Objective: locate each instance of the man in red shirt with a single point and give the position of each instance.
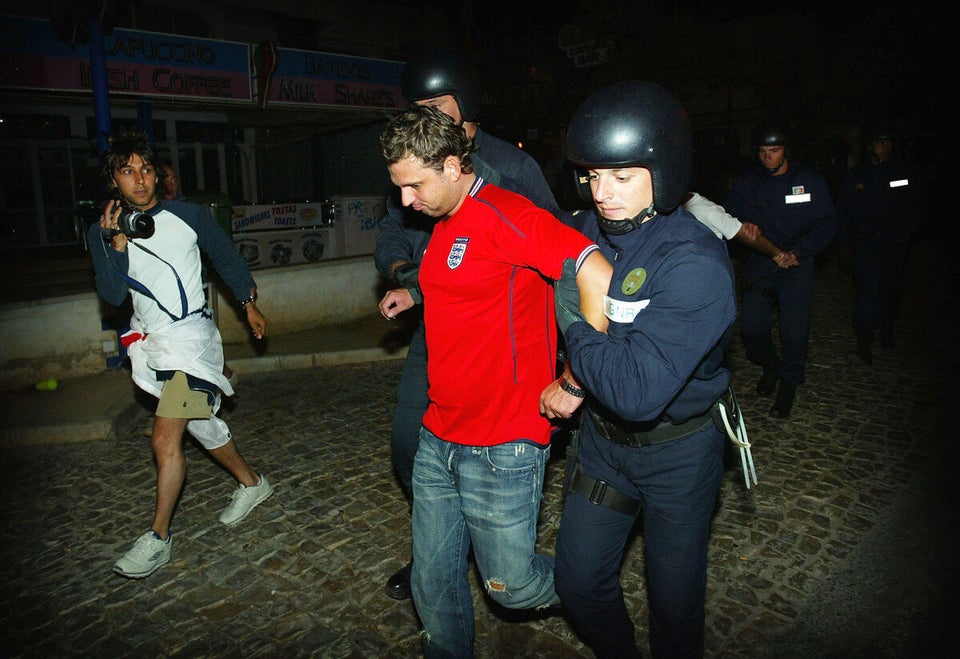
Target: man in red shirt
(492, 339)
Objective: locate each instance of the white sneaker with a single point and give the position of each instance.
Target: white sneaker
(244, 500)
(148, 554)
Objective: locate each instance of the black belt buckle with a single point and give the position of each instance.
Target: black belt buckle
(597, 491)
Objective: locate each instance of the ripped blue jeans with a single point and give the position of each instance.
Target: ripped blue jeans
(487, 497)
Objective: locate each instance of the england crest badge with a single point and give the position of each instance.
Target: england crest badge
(457, 250)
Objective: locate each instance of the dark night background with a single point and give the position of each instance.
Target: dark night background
(828, 72)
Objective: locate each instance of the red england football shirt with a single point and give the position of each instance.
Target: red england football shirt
(489, 317)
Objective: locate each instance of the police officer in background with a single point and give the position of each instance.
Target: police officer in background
(442, 79)
(791, 204)
(648, 445)
(878, 221)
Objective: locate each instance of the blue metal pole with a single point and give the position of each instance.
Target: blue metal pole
(145, 119)
(101, 97)
(101, 108)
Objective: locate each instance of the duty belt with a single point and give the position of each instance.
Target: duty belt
(647, 434)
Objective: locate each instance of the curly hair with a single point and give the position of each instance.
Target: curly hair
(428, 134)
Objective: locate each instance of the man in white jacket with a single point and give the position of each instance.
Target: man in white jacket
(150, 249)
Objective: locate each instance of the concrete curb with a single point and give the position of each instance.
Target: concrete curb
(124, 410)
(311, 360)
(61, 433)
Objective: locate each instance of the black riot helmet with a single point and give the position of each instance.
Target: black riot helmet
(773, 133)
(635, 124)
(440, 72)
(770, 134)
(881, 133)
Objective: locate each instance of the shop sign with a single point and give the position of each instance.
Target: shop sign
(302, 77)
(137, 63)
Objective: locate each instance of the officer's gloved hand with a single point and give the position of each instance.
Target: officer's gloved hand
(566, 296)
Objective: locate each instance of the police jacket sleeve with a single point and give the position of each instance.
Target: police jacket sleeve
(403, 236)
(393, 243)
(639, 368)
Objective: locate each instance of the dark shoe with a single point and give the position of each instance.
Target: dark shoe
(784, 401)
(398, 586)
(862, 354)
(768, 382)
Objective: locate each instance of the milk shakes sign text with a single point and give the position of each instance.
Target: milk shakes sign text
(308, 78)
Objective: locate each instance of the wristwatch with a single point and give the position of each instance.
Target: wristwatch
(569, 388)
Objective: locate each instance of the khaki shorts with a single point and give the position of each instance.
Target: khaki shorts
(179, 401)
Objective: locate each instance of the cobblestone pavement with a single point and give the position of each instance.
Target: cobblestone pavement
(818, 559)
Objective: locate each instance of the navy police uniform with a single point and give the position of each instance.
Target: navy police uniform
(647, 432)
(878, 219)
(795, 211)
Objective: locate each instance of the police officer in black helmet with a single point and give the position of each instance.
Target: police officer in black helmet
(879, 217)
(791, 204)
(648, 445)
(443, 79)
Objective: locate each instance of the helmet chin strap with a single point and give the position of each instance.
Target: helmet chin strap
(620, 227)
